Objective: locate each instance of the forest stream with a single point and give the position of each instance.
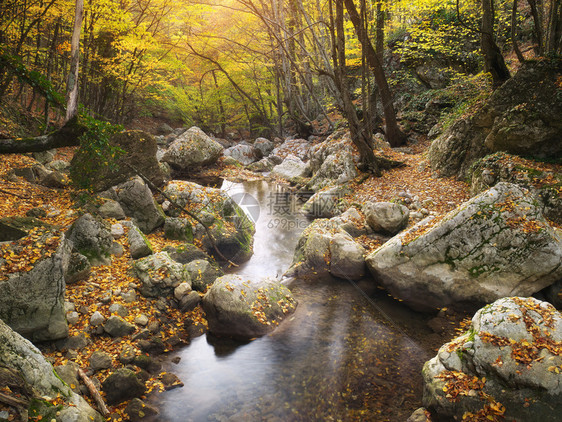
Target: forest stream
(349, 352)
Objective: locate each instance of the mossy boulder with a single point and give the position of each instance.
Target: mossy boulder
(521, 117)
(136, 148)
(244, 309)
(506, 366)
(192, 149)
(495, 245)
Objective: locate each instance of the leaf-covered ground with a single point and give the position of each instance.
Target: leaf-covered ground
(63, 206)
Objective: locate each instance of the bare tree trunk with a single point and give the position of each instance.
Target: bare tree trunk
(493, 58)
(394, 135)
(72, 84)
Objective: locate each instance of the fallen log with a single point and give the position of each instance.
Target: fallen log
(102, 407)
(66, 136)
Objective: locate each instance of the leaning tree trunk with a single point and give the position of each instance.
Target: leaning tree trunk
(394, 135)
(68, 135)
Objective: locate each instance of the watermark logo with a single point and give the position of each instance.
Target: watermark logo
(249, 205)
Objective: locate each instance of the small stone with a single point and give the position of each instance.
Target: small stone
(116, 250)
(189, 302)
(97, 319)
(122, 385)
(129, 296)
(153, 327)
(141, 319)
(117, 308)
(100, 360)
(112, 209)
(106, 297)
(117, 230)
(127, 354)
(69, 306)
(182, 290)
(72, 317)
(170, 381)
(137, 410)
(116, 326)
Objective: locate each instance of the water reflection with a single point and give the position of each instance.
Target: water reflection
(337, 358)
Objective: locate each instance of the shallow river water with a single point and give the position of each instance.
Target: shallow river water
(349, 352)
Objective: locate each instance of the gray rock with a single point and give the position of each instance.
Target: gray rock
(291, 169)
(76, 342)
(112, 209)
(72, 317)
(55, 179)
(495, 245)
(170, 381)
(187, 253)
(141, 319)
(202, 274)
(386, 217)
(244, 154)
(139, 154)
(122, 385)
(116, 326)
(521, 117)
(100, 360)
(139, 245)
(44, 157)
(326, 203)
(92, 239)
(32, 302)
(137, 202)
(241, 308)
(59, 165)
(69, 374)
(506, 359)
(97, 319)
(324, 248)
(192, 149)
(353, 222)
(190, 301)
(117, 308)
(295, 147)
(159, 275)
(420, 415)
(265, 146)
(137, 410)
(178, 229)
(337, 168)
(79, 268)
(231, 228)
(129, 296)
(22, 358)
(182, 290)
(117, 230)
(262, 166)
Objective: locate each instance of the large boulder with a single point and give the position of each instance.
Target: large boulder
(291, 169)
(160, 275)
(91, 238)
(521, 117)
(326, 203)
(265, 146)
(231, 231)
(386, 217)
(244, 309)
(26, 363)
(243, 153)
(337, 168)
(192, 149)
(507, 366)
(32, 285)
(136, 149)
(542, 181)
(137, 202)
(324, 248)
(295, 147)
(495, 245)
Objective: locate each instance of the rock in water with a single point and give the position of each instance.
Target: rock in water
(245, 309)
(507, 365)
(192, 149)
(495, 245)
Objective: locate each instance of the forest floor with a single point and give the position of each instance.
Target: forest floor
(18, 197)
